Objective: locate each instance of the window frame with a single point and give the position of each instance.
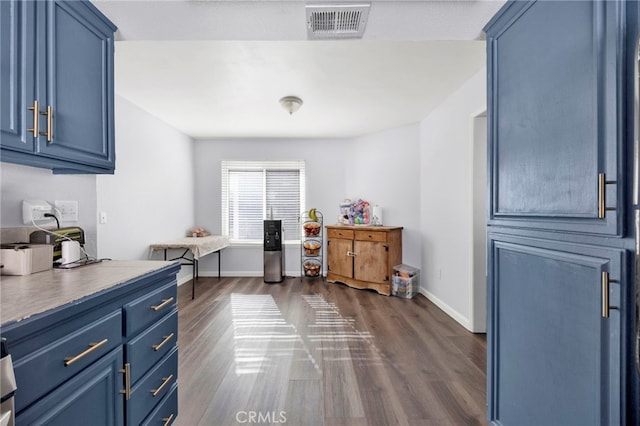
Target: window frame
(253, 166)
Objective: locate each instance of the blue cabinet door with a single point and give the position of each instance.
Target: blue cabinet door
(91, 398)
(554, 347)
(77, 50)
(56, 86)
(17, 64)
(554, 78)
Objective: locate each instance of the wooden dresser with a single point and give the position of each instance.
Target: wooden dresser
(363, 256)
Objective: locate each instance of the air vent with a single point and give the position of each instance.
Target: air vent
(335, 21)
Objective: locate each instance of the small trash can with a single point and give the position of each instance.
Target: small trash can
(405, 281)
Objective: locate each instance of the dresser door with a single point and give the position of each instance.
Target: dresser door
(371, 262)
(340, 257)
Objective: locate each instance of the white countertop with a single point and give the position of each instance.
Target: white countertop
(24, 296)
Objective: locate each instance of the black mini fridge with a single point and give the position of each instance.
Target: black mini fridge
(273, 255)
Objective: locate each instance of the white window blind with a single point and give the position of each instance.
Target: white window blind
(251, 190)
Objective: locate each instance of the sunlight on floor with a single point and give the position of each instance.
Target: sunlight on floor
(261, 333)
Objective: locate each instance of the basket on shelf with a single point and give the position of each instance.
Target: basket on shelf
(312, 247)
(312, 268)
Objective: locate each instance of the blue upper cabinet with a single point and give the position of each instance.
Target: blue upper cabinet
(57, 72)
(554, 77)
(17, 77)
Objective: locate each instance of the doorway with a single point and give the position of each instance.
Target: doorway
(478, 292)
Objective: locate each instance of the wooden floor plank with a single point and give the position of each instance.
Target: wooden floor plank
(306, 352)
(302, 405)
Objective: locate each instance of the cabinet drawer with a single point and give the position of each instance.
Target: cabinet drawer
(166, 412)
(152, 388)
(53, 364)
(91, 398)
(146, 310)
(340, 233)
(147, 349)
(371, 236)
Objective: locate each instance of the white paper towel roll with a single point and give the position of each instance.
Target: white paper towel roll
(70, 251)
(376, 217)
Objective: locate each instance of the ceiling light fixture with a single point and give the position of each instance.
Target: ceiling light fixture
(291, 103)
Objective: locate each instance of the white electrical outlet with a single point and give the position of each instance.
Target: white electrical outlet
(68, 210)
(34, 211)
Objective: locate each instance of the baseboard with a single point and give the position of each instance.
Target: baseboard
(214, 274)
(184, 280)
(461, 319)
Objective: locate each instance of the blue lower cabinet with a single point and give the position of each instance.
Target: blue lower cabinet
(146, 350)
(77, 365)
(554, 340)
(167, 410)
(91, 398)
(153, 388)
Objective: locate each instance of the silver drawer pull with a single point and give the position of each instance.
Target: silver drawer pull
(92, 347)
(161, 344)
(167, 420)
(165, 381)
(164, 303)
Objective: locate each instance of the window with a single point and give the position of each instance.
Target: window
(252, 190)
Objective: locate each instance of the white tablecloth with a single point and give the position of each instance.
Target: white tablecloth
(199, 246)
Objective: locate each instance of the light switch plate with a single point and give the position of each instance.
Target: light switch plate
(68, 210)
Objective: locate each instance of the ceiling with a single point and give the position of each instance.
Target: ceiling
(216, 69)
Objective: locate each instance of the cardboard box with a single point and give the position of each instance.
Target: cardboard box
(25, 259)
(405, 281)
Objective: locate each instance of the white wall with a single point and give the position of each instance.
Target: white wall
(24, 183)
(446, 205)
(326, 162)
(385, 170)
(479, 285)
(150, 198)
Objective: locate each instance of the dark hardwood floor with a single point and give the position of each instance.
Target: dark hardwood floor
(306, 352)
